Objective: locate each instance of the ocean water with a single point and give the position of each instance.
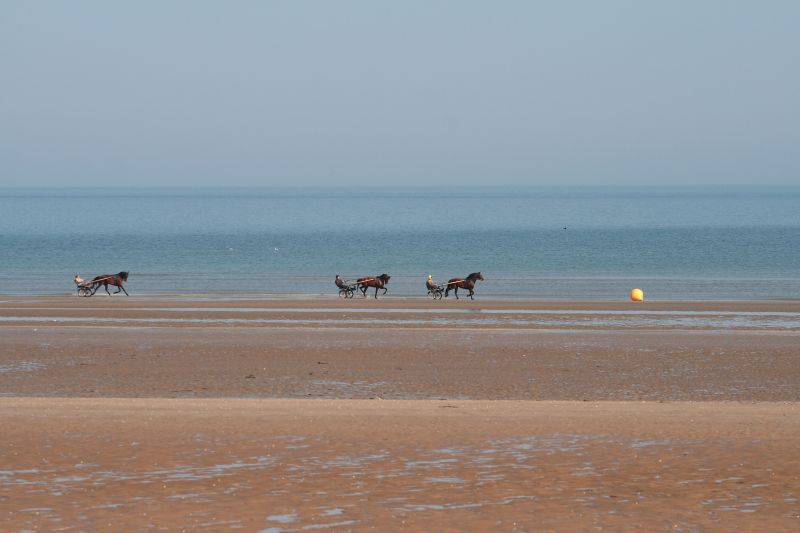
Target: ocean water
(593, 243)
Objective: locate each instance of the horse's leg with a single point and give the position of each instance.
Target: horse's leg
(121, 288)
(385, 290)
(376, 292)
(106, 287)
(471, 292)
(456, 291)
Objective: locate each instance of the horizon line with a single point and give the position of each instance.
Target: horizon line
(373, 186)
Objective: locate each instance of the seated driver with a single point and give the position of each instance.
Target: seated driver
(430, 284)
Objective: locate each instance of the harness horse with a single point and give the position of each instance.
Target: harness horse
(379, 282)
(463, 283)
(88, 288)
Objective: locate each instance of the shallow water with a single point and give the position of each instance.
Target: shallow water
(448, 311)
(562, 320)
(678, 243)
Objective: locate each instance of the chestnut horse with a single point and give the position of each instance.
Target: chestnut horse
(468, 283)
(110, 279)
(379, 282)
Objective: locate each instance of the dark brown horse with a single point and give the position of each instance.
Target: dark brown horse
(110, 279)
(379, 282)
(468, 283)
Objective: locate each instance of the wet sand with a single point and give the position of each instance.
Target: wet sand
(381, 362)
(320, 413)
(296, 465)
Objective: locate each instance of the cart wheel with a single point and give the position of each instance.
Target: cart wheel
(349, 293)
(438, 295)
(342, 293)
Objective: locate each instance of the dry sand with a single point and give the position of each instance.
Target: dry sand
(397, 414)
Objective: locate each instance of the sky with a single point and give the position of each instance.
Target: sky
(379, 93)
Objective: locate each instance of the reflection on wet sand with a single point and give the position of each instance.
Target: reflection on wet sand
(397, 469)
(691, 319)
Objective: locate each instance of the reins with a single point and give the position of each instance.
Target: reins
(98, 280)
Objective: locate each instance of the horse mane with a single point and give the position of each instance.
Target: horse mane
(123, 276)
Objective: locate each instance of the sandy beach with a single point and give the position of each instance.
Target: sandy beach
(292, 414)
(186, 187)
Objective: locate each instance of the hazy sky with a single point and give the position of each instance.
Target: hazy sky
(387, 93)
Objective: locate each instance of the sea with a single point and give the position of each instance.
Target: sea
(675, 243)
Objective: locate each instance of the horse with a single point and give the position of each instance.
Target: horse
(110, 279)
(468, 283)
(379, 282)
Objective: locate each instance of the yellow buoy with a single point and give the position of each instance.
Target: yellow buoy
(637, 295)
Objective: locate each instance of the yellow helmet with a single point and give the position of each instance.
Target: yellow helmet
(430, 277)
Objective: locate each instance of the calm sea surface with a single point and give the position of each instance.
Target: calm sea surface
(720, 243)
